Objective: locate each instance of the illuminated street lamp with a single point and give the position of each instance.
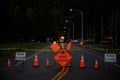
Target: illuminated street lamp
(62, 37)
(81, 21)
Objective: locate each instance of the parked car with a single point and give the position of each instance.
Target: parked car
(76, 41)
(89, 40)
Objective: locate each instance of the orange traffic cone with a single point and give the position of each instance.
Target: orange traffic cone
(36, 63)
(82, 63)
(96, 66)
(9, 63)
(47, 63)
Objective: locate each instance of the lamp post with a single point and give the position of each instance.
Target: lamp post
(72, 26)
(68, 32)
(81, 22)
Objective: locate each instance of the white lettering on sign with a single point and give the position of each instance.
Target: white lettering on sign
(60, 40)
(20, 56)
(110, 57)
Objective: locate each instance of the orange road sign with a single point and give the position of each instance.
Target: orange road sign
(81, 43)
(55, 47)
(63, 57)
(68, 47)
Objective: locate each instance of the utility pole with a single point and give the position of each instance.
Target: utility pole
(81, 12)
(102, 29)
(94, 28)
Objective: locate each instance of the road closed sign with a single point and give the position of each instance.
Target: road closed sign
(110, 57)
(63, 57)
(20, 56)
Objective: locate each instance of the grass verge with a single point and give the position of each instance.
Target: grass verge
(105, 46)
(9, 49)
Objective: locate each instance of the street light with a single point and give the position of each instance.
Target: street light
(68, 32)
(81, 21)
(73, 27)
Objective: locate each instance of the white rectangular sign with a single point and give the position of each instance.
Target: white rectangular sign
(20, 56)
(60, 40)
(110, 57)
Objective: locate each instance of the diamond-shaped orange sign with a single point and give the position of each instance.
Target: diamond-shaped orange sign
(68, 47)
(63, 57)
(55, 47)
(81, 43)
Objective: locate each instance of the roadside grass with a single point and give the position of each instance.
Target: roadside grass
(9, 49)
(105, 46)
(21, 45)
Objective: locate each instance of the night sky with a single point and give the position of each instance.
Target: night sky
(39, 19)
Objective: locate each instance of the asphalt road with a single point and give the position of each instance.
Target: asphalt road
(26, 71)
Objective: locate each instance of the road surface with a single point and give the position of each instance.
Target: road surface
(26, 71)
